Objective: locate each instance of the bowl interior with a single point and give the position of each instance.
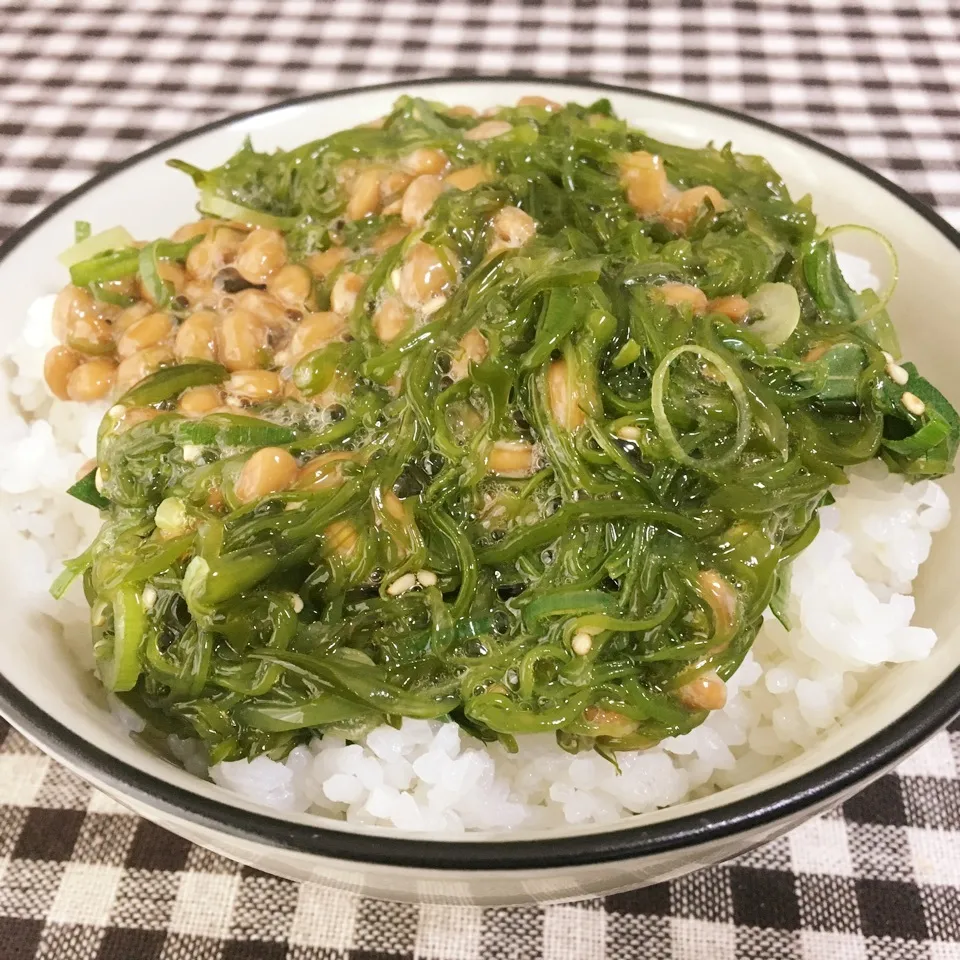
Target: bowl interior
(151, 199)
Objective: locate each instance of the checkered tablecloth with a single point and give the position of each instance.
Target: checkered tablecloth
(86, 83)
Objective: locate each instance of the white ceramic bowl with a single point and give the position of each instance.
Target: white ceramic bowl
(48, 695)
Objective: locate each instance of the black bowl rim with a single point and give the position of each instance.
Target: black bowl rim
(812, 790)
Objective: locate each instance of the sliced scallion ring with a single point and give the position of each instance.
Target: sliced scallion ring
(884, 295)
(116, 238)
(780, 306)
(661, 380)
(121, 669)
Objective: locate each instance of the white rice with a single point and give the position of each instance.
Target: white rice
(850, 604)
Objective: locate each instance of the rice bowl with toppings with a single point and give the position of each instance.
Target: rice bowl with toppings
(847, 602)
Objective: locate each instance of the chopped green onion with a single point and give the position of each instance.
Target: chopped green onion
(121, 668)
(117, 264)
(780, 306)
(886, 293)
(172, 381)
(148, 266)
(116, 238)
(216, 206)
(111, 296)
(661, 381)
(627, 354)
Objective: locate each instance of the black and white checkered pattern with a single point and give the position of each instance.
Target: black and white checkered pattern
(83, 879)
(88, 82)
(91, 81)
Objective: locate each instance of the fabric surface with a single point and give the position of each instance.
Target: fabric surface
(86, 83)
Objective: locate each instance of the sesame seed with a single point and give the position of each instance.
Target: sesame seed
(427, 578)
(294, 505)
(897, 374)
(297, 603)
(149, 597)
(192, 452)
(888, 357)
(402, 584)
(913, 404)
(395, 278)
(98, 481)
(629, 433)
(582, 644)
(117, 411)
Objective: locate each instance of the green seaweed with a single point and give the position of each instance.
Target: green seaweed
(260, 633)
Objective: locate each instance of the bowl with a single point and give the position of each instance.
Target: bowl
(47, 691)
